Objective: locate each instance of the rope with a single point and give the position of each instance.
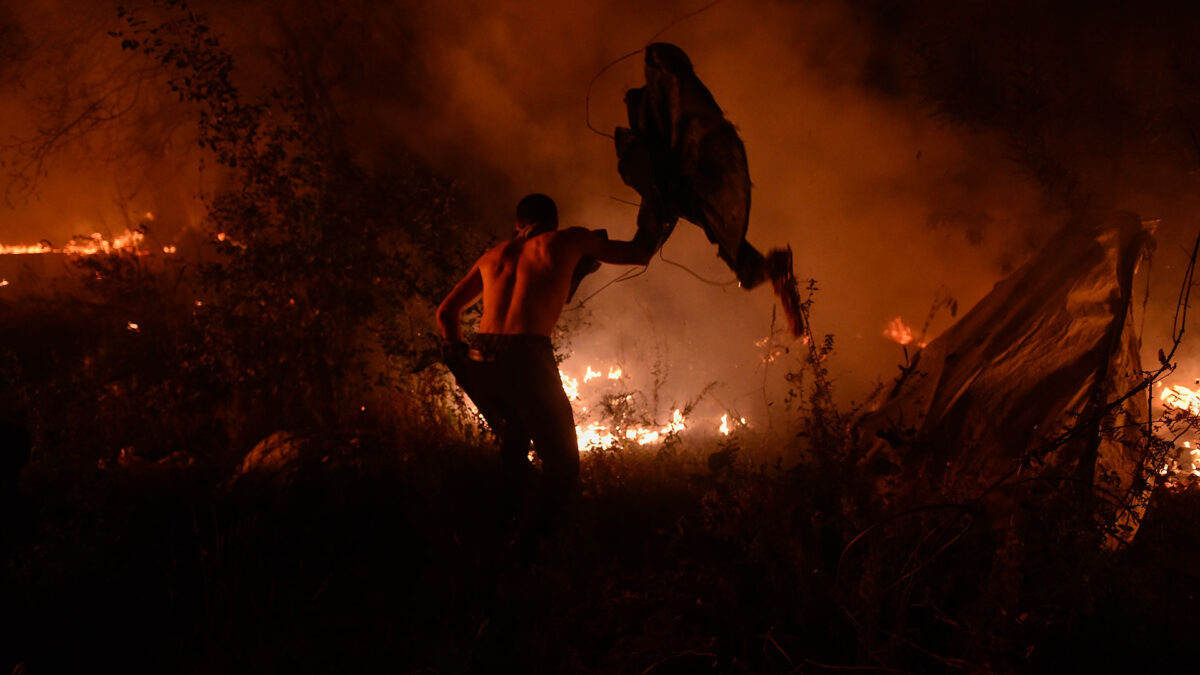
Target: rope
(719, 284)
(628, 274)
(685, 17)
(587, 101)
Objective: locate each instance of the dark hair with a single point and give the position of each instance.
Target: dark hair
(539, 211)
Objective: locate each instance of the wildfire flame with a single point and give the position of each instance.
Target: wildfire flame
(595, 435)
(84, 245)
(899, 332)
(725, 428)
(1186, 464)
(32, 249)
(1181, 398)
(570, 385)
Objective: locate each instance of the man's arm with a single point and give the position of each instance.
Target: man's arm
(637, 251)
(463, 295)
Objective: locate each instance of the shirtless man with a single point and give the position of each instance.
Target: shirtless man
(511, 374)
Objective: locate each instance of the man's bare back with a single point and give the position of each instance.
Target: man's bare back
(524, 283)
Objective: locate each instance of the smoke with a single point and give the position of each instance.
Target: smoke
(885, 208)
(895, 162)
(91, 139)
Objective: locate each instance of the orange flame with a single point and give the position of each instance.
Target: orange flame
(1186, 464)
(83, 245)
(1181, 398)
(899, 332)
(595, 435)
(726, 428)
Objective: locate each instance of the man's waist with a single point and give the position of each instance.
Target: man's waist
(492, 346)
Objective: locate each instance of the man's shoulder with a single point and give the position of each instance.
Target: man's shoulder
(574, 235)
(498, 252)
(574, 231)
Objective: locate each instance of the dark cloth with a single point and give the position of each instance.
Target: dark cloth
(513, 380)
(680, 149)
(679, 145)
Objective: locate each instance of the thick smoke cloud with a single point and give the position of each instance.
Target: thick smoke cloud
(885, 153)
(884, 207)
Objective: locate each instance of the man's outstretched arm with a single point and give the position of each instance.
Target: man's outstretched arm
(463, 295)
(640, 249)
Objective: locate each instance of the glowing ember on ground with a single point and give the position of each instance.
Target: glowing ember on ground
(899, 332)
(3, 282)
(132, 326)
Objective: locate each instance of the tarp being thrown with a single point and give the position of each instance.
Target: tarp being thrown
(680, 149)
(1023, 385)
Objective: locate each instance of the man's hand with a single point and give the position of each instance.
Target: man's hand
(463, 295)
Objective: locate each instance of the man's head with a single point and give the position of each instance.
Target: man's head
(536, 214)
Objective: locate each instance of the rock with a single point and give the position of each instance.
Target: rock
(276, 459)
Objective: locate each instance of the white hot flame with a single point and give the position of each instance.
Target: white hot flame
(1188, 400)
(1181, 398)
(596, 435)
(83, 245)
(570, 385)
(726, 428)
